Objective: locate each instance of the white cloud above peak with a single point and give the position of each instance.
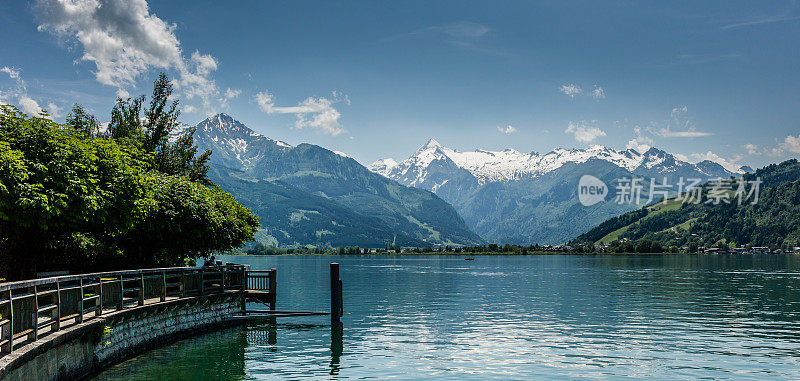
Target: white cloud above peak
(598, 93)
(508, 130)
(584, 132)
(570, 90)
(729, 164)
(315, 113)
(232, 93)
(680, 126)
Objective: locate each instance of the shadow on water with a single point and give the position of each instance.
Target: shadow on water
(219, 355)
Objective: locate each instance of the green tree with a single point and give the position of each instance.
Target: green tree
(55, 186)
(81, 122)
(151, 129)
(71, 202)
(188, 220)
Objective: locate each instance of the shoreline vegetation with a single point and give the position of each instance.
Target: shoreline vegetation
(644, 247)
(462, 254)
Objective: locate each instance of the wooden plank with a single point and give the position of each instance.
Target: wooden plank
(91, 297)
(47, 307)
(26, 295)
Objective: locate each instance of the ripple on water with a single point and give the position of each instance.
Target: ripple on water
(512, 317)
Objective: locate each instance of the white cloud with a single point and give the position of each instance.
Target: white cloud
(125, 41)
(641, 143)
(752, 149)
(204, 63)
(598, 93)
(462, 30)
(54, 110)
(683, 134)
(685, 128)
(729, 164)
(681, 157)
(13, 73)
(640, 147)
(570, 89)
(791, 144)
(759, 21)
(316, 113)
(508, 130)
(232, 93)
(29, 106)
(584, 132)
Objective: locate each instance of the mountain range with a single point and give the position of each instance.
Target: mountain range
(309, 195)
(512, 197)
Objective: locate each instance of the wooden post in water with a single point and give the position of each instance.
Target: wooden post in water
(273, 287)
(336, 294)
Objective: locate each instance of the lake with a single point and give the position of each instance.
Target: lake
(510, 317)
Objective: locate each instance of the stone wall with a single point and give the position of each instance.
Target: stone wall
(86, 348)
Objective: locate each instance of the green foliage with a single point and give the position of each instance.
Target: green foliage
(607, 227)
(72, 200)
(150, 129)
(55, 184)
(81, 122)
(189, 220)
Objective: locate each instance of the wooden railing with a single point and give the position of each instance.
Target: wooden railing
(35, 308)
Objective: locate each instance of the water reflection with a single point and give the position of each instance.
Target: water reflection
(337, 346)
(657, 316)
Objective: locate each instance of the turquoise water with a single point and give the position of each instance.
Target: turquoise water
(505, 317)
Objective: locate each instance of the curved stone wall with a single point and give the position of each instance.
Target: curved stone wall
(86, 348)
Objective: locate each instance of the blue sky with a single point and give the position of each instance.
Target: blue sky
(376, 79)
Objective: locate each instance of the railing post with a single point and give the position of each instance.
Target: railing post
(182, 286)
(223, 278)
(58, 305)
(336, 294)
(141, 288)
(35, 313)
(163, 285)
(273, 288)
(202, 281)
(80, 301)
(121, 293)
(99, 311)
(244, 290)
(10, 321)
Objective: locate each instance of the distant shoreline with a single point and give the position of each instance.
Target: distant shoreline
(453, 254)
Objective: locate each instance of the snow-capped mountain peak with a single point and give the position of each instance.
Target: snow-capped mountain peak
(432, 143)
(509, 164)
(233, 143)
